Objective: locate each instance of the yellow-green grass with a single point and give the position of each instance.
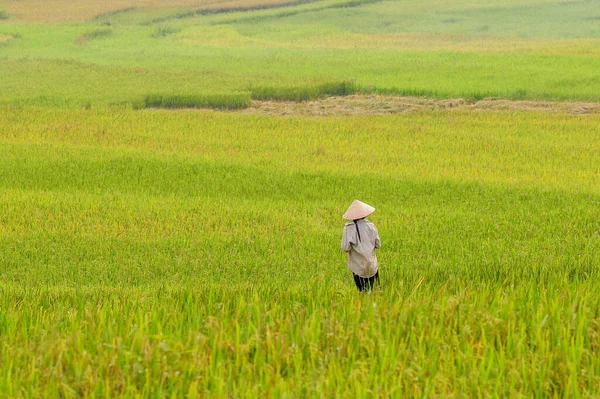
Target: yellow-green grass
(171, 253)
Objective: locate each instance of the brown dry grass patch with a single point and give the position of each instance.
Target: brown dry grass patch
(383, 105)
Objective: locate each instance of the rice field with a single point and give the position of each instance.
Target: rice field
(171, 253)
(160, 237)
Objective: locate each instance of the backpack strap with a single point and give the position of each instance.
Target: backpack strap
(357, 230)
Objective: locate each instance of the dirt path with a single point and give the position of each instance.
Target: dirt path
(382, 105)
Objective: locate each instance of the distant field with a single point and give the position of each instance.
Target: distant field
(56, 11)
(519, 50)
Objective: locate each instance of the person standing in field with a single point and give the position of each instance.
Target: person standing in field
(360, 240)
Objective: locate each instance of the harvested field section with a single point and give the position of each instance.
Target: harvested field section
(382, 105)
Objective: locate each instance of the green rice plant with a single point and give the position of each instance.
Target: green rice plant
(4, 14)
(406, 91)
(342, 88)
(217, 101)
(196, 341)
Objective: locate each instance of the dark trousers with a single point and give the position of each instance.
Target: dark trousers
(366, 283)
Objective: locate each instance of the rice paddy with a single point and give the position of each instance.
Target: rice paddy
(163, 235)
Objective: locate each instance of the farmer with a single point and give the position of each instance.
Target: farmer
(360, 240)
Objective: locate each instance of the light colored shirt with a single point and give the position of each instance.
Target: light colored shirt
(361, 252)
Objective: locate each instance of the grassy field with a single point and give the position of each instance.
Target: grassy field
(149, 252)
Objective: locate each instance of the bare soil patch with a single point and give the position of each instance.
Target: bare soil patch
(383, 105)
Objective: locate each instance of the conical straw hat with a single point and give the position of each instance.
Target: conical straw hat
(358, 210)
